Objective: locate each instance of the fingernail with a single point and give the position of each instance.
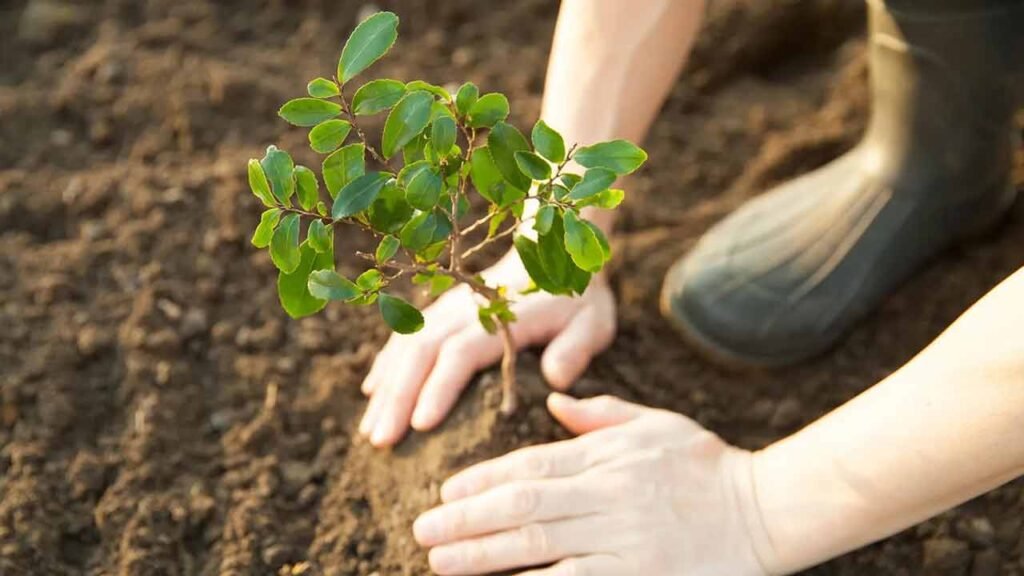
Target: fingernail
(426, 529)
(443, 559)
(379, 437)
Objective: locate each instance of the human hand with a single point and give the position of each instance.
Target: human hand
(417, 378)
(641, 491)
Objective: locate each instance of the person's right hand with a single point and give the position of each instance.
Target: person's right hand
(417, 378)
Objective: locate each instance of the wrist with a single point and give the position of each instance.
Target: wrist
(740, 470)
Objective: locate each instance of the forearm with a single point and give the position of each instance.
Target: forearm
(612, 65)
(941, 430)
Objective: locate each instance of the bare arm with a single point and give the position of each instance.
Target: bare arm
(613, 64)
(941, 430)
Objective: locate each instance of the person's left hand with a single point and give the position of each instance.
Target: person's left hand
(642, 491)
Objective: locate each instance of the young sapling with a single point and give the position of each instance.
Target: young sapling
(450, 146)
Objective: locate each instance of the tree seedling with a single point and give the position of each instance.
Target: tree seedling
(419, 212)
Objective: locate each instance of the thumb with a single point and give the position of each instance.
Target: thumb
(583, 416)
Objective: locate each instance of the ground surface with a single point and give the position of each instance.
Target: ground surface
(161, 415)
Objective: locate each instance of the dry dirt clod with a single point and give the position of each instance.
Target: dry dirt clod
(946, 556)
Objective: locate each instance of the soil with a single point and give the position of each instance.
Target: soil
(161, 415)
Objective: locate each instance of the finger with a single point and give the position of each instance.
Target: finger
(380, 364)
(460, 356)
(569, 353)
(594, 565)
(588, 415)
(506, 507)
(555, 460)
(530, 545)
(392, 403)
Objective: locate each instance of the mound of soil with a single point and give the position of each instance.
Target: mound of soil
(159, 414)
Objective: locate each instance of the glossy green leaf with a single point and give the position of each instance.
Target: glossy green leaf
(327, 136)
(582, 244)
(467, 95)
(424, 230)
(485, 175)
(377, 96)
(434, 89)
(387, 248)
(487, 111)
(423, 185)
(358, 194)
(602, 240)
(401, 316)
(440, 283)
(293, 287)
(504, 141)
(329, 285)
(308, 111)
(370, 281)
(547, 142)
(415, 150)
(259, 185)
(389, 212)
(619, 156)
(284, 245)
(344, 166)
(606, 199)
(544, 219)
(265, 230)
(594, 180)
(442, 135)
(529, 255)
(308, 187)
(322, 88)
(319, 236)
(532, 165)
(407, 119)
(570, 180)
(554, 257)
(278, 167)
(371, 39)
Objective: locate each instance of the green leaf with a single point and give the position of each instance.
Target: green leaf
(601, 239)
(547, 142)
(529, 255)
(325, 137)
(496, 221)
(284, 245)
(554, 257)
(442, 135)
(377, 96)
(367, 43)
(606, 199)
(265, 230)
(545, 217)
(428, 87)
(322, 88)
(582, 244)
(344, 166)
(321, 208)
(487, 111)
(579, 280)
(370, 281)
(319, 236)
(415, 150)
(329, 285)
(389, 212)
(619, 156)
(570, 180)
(308, 111)
(532, 165)
(439, 284)
(259, 185)
(401, 316)
(293, 287)
(424, 230)
(504, 141)
(594, 180)
(358, 194)
(423, 185)
(387, 248)
(308, 187)
(486, 319)
(485, 175)
(278, 167)
(467, 95)
(407, 119)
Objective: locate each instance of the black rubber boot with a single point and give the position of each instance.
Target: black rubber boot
(789, 273)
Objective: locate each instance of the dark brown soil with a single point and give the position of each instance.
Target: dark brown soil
(161, 415)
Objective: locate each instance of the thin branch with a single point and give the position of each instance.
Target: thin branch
(359, 131)
(491, 239)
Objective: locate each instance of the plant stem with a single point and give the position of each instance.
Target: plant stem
(509, 399)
